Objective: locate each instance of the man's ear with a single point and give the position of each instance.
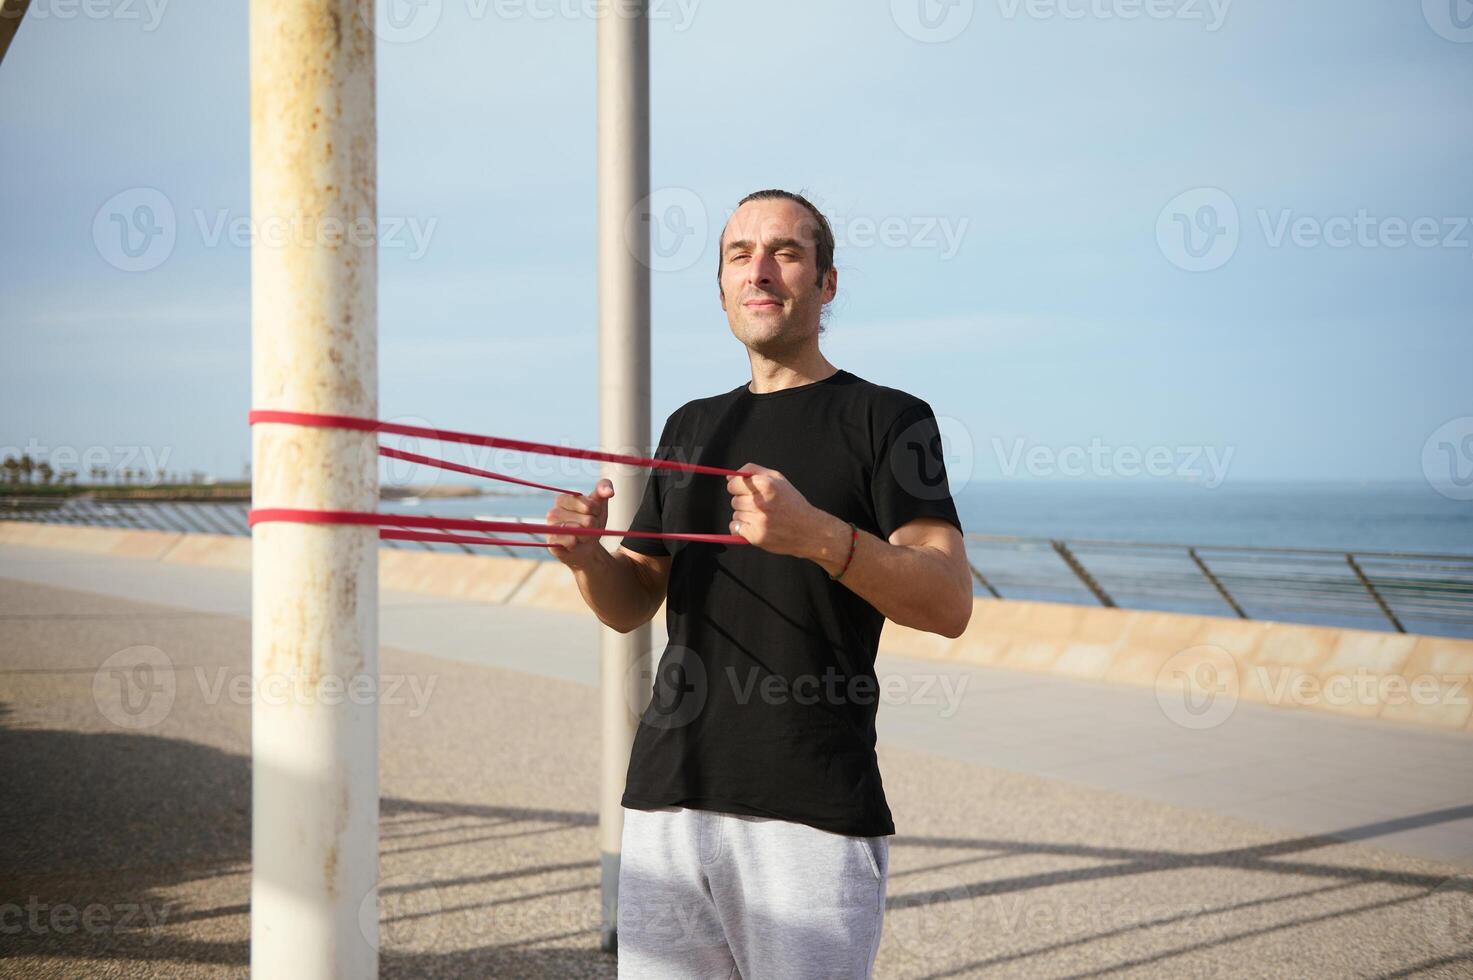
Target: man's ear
(830, 285)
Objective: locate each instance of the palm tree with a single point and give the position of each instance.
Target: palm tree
(45, 472)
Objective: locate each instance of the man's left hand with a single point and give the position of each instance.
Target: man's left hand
(770, 513)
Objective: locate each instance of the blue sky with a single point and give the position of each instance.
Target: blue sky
(1028, 162)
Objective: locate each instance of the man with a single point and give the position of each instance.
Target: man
(755, 832)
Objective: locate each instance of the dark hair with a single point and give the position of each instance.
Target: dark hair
(823, 234)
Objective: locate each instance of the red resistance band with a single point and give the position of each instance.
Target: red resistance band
(390, 523)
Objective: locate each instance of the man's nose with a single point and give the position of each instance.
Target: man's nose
(761, 269)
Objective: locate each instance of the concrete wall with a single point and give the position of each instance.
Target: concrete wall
(1419, 680)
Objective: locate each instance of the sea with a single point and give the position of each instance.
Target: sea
(1390, 516)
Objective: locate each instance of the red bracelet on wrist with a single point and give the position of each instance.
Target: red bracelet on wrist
(853, 541)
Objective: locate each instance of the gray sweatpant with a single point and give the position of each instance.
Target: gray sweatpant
(718, 895)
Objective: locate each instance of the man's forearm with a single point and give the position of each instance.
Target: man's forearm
(916, 587)
(612, 588)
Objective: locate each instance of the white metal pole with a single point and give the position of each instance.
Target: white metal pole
(623, 376)
(314, 587)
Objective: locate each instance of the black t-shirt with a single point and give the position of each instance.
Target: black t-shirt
(765, 697)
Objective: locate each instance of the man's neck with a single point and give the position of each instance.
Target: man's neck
(770, 375)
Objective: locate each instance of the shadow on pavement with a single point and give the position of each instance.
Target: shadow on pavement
(102, 833)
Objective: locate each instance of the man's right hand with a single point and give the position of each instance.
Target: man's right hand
(588, 510)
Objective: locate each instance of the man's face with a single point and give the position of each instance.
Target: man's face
(769, 276)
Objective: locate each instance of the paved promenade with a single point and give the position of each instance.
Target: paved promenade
(1046, 828)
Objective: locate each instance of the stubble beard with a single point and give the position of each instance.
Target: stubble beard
(775, 342)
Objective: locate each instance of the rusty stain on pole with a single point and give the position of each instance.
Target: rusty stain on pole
(314, 588)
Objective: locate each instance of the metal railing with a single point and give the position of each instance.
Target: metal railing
(1401, 591)
(199, 517)
(1379, 590)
